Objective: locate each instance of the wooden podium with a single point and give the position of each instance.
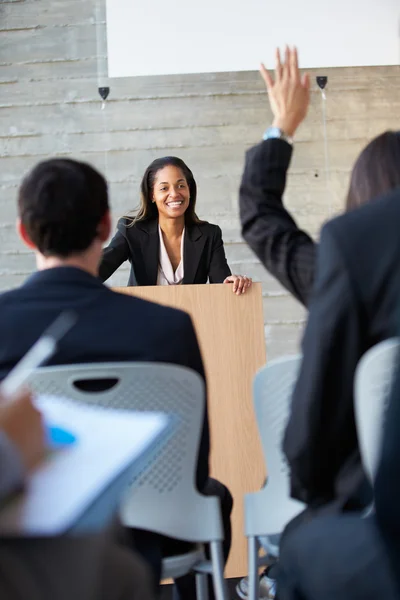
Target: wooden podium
(230, 330)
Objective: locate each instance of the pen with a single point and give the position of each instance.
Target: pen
(37, 355)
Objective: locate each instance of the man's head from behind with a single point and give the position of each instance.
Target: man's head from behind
(63, 212)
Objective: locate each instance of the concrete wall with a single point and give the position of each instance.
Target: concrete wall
(49, 105)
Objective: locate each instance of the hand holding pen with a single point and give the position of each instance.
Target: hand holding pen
(24, 427)
(19, 418)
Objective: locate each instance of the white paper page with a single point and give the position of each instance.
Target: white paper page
(59, 491)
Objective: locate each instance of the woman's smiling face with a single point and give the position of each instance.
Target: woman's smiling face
(171, 192)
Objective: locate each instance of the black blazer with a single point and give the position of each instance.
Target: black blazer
(355, 304)
(286, 251)
(110, 327)
(387, 484)
(203, 253)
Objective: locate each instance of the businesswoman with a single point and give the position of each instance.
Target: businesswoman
(166, 243)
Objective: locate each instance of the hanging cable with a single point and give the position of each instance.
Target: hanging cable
(322, 82)
(101, 54)
(102, 69)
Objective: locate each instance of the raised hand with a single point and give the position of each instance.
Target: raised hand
(289, 94)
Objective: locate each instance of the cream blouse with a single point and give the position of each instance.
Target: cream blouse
(166, 275)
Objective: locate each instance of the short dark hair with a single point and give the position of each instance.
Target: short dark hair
(148, 209)
(61, 203)
(376, 171)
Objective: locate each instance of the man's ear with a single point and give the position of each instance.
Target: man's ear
(24, 235)
(104, 227)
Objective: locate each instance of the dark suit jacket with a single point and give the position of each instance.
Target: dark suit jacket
(286, 251)
(203, 253)
(355, 304)
(387, 485)
(110, 327)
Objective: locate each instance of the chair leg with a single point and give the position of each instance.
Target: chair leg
(253, 590)
(201, 586)
(217, 560)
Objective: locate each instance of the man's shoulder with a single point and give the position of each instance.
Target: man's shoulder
(9, 297)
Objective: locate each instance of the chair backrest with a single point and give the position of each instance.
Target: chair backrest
(164, 490)
(372, 386)
(273, 389)
(269, 510)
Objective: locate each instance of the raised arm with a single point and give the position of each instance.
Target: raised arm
(286, 251)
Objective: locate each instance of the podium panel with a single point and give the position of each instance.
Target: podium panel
(230, 330)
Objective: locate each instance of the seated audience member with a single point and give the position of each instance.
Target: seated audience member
(56, 568)
(286, 251)
(345, 556)
(290, 254)
(355, 304)
(64, 218)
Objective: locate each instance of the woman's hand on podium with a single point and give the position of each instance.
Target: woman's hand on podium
(240, 283)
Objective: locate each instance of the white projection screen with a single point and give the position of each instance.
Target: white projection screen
(160, 37)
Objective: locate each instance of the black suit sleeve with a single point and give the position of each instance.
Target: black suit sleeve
(191, 357)
(321, 433)
(219, 269)
(116, 252)
(286, 251)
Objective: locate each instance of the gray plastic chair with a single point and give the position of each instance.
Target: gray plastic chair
(162, 497)
(269, 510)
(372, 386)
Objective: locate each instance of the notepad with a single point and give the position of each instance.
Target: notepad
(107, 443)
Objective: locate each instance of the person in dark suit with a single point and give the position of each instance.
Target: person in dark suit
(338, 556)
(290, 255)
(285, 250)
(346, 556)
(89, 567)
(355, 304)
(64, 218)
(166, 243)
